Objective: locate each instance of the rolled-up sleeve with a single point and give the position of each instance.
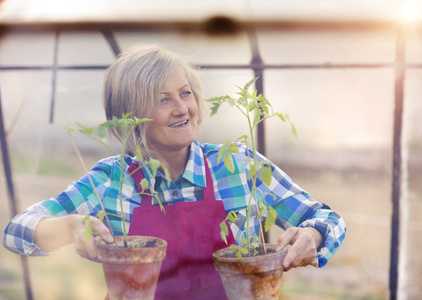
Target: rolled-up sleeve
(78, 198)
(296, 208)
(19, 235)
(302, 211)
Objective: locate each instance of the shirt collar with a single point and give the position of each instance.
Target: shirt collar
(195, 167)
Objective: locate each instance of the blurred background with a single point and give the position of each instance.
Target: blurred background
(341, 70)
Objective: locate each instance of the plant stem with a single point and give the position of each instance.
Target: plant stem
(78, 154)
(253, 193)
(261, 234)
(124, 139)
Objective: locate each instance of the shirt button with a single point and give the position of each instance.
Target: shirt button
(174, 193)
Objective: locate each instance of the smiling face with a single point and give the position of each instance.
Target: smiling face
(175, 124)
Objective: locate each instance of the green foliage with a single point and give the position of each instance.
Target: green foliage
(255, 108)
(246, 248)
(125, 125)
(232, 217)
(271, 217)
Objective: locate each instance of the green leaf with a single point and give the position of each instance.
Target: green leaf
(231, 102)
(224, 231)
(144, 184)
(266, 174)
(159, 202)
(281, 116)
(271, 217)
(254, 94)
(217, 101)
(249, 83)
(69, 128)
(233, 148)
(232, 216)
(83, 129)
(224, 98)
(238, 254)
(243, 101)
(228, 163)
(87, 233)
(167, 173)
(253, 171)
(262, 206)
(101, 131)
(222, 151)
(86, 219)
(214, 108)
(101, 214)
(243, 250)
(264, 105)
(292, 125)
(154, 164)
(252, 105)
(243, 138)
(261, 210)
(256, 118)
(139, 154)
(140, 121)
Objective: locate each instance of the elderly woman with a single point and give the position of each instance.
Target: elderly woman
(156, 83)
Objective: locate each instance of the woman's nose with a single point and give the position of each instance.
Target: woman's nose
(180, 108)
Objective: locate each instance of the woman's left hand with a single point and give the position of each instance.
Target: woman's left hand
(304, 244)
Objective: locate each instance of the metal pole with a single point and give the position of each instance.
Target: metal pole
(12, 198)
(396, 179)
(54, 77)
(258, 67)
(111, 40)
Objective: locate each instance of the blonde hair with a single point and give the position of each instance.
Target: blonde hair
(133, 83)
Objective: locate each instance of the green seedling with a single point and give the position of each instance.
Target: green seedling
(126, 125)
(255, 108)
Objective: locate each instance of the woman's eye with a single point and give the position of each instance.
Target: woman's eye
(186, 93)
(164, 100)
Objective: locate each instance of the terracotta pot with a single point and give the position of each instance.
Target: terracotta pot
(257, 277)
(132, 272)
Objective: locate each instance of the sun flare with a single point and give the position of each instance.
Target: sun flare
(411, 14)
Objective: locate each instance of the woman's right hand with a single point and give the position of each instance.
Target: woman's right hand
(88, 250)
(55, 232)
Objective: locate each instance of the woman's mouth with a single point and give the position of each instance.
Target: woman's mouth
(179, 124)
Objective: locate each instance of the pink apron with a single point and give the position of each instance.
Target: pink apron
(192, 231)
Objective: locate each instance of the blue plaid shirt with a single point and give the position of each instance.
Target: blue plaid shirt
(293, 205)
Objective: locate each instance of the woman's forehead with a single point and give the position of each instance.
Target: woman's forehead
(177, 80)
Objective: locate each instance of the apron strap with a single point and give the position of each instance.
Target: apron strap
(138, 175)
(209, 189)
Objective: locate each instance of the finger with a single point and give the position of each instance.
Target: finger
(301, 253)
(287, 238)
(86, 249)
(301, 260)
(103, 231)
(294, 260)
(292, 254)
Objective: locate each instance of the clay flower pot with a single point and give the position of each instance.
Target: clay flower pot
(132, 272)
(255, 277)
